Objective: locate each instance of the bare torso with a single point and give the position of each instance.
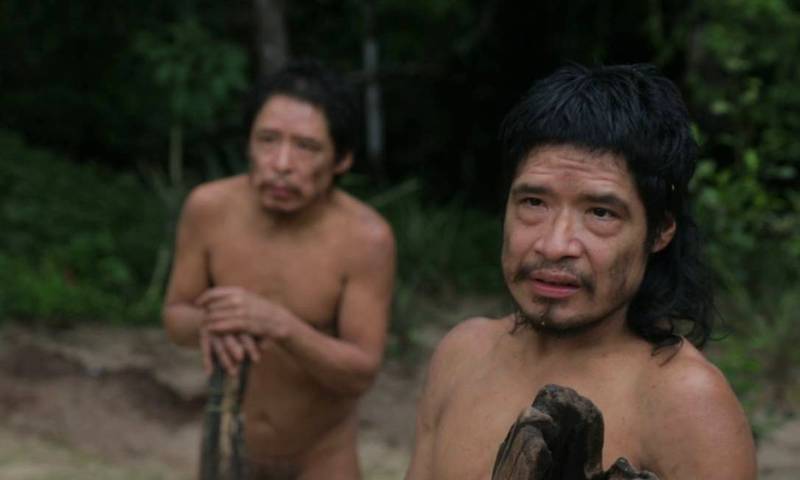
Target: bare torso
(494, 378)
(292, 421)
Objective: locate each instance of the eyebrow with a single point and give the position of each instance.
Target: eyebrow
(264, 130)
(293, 136)
(306, 138)
(609, 199)
(530, 189)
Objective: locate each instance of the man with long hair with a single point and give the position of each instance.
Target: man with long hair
(602, 260)
(281, 266)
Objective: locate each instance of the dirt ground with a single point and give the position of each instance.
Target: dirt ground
(125, 404)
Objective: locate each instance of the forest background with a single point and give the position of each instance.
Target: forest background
(112, 111)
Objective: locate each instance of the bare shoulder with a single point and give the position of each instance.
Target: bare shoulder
(463, 348)
(368, 232)
(471, 335)
(465, 345)
(675, 378)
(694, 426)
(209, 198)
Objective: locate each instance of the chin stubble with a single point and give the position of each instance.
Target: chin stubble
(543, 324)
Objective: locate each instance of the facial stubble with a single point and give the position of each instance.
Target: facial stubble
(544, 321)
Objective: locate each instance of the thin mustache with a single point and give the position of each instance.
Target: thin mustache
(527, 269)
(270, 183)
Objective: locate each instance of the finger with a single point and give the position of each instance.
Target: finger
(203, 298)
(222, 356)
(227, 306)
(234, 348)
(250, 346)
(215, 316)
(220, 305)
(212, 294)
(229, 325)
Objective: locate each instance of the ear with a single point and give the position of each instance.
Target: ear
(665, 235)
(344, 164)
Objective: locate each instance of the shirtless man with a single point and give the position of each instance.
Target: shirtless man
(600, 256)
(282, 266)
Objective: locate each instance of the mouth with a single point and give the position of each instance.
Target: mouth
(554, 284)
(279, 191)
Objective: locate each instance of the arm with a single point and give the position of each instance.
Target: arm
(696, 427)
(454, 356)
(183, 320)
(349, 363)
(346, 364)
(189, 277)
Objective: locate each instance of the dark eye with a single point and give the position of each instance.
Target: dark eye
(600, 212)
(309, 145)
(532, 201)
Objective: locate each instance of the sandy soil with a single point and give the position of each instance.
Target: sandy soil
(126, 404)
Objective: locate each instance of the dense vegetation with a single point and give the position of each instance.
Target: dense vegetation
(112, 111)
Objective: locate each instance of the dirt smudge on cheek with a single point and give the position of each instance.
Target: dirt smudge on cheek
(619, 277)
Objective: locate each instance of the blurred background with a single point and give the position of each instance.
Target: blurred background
(111, 111)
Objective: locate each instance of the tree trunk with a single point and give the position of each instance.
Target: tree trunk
(272, 40)
(372, 92)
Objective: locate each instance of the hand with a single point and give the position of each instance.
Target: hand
(235, 310)
(229, 349)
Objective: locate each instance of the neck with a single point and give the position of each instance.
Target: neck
(296, 220)
(602, 335)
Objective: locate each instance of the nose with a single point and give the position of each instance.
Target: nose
(558, 239)
(283, 159)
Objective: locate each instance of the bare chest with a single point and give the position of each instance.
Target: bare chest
(305, 275)
(480, 411)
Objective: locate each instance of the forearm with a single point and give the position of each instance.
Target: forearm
(182, 322)
(345, 365)
(337, 364)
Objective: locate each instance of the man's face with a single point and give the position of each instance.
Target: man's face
(292, 155)
(574, 238)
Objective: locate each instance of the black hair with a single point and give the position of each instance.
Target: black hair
(637, 114)
(309, 81)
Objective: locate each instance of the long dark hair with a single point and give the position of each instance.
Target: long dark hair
(308, 80)
(634, 112)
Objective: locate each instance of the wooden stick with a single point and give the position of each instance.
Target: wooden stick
(209, 453)
(238, 466)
